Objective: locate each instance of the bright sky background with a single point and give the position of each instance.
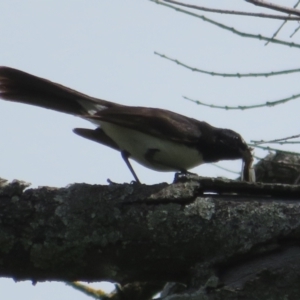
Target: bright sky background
(106, 49)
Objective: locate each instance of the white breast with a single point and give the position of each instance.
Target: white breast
(170, 157)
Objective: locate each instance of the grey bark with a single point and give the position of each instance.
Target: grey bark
(217, 239)
(279, 167)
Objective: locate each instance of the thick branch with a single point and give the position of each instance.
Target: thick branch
(127, 233)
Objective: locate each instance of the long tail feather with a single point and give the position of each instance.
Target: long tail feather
(18, 86)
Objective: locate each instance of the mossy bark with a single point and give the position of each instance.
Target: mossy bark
(214, 246)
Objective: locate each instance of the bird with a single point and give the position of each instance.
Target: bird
(156, 138)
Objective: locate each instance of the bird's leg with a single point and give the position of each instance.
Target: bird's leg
(125, 156)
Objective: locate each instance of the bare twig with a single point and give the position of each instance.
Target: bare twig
(276, 32)
(274, 149)
(231, 29)
(282, 140)
(243, 107)
(284, 9)
(281, 143)
(238, 75)
(225, 169)
(233, 12)
(295, 31)
(283, 23)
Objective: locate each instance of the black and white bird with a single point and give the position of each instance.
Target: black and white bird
(158, 139)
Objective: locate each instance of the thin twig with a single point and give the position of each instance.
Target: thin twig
(233, 12)
(242, 107)
(284, 9)
(283, 23)
(274, 149)
(242, 34)
(276, 32)
(295, 31)
(283, 143)
(225, 169)
(238, 75)
(277, 140)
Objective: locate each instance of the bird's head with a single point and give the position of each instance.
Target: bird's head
(230, 144)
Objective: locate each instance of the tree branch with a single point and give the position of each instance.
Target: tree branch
(278, 141)
(234, 75)
(243, 107)
(281, 26)
(127, 233)
(231, 29)
(284, 9)
(233, 12)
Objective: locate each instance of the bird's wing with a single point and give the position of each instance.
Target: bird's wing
(157, 122)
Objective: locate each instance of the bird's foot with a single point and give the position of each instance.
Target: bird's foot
(133, 182)
(110, 182)
(183, 176)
